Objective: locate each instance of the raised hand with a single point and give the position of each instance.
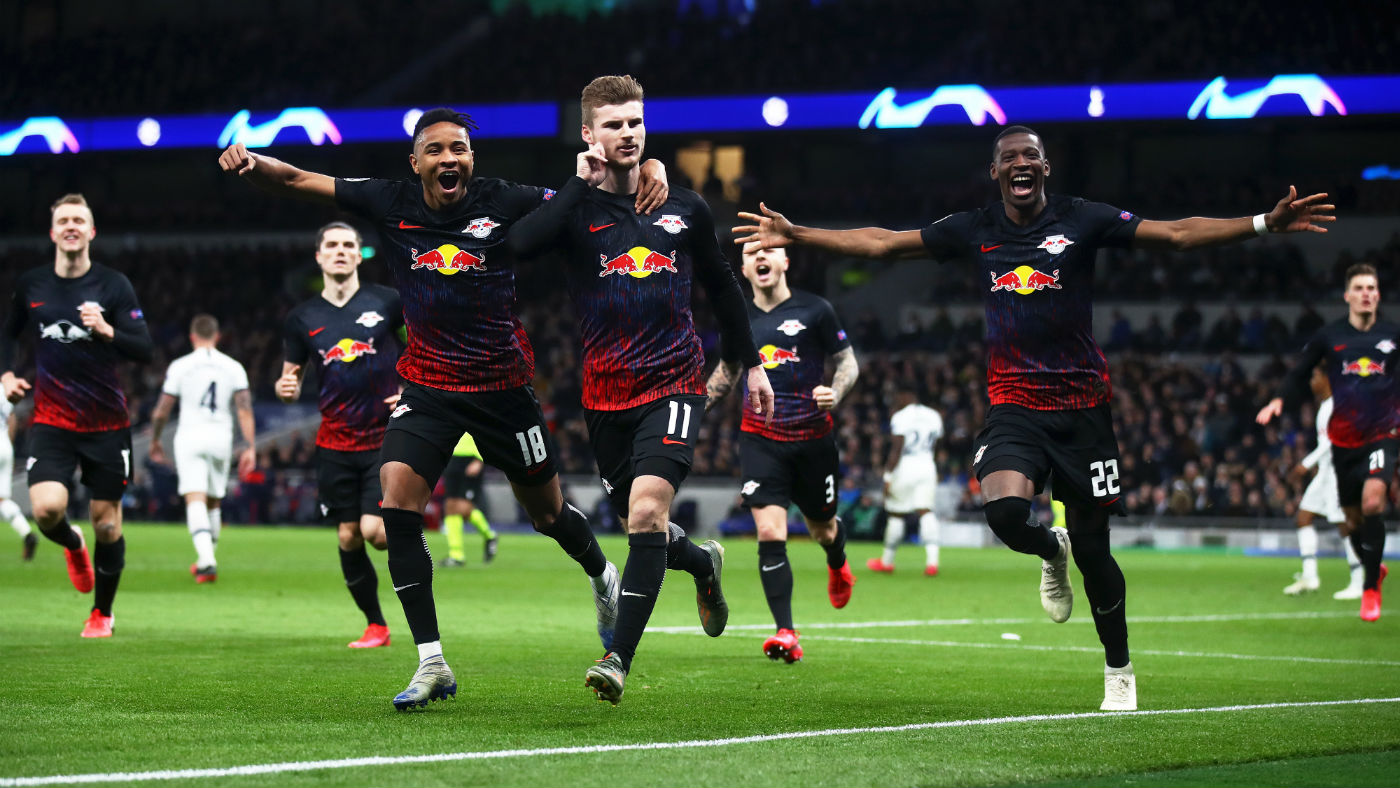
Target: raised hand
(1293, 215)
(592, 164)
(769, 230)
(653, 188)
(1269, 412)
(237, 160)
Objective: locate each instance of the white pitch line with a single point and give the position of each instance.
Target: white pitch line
(381, 760)
(951, 622)
(1099, 650)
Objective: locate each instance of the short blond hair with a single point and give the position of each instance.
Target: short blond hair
(606, 91)
(70, 199)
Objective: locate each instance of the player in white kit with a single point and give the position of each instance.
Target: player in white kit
(205, 382)
(9, 510)
(910, 478)
(1320, 500)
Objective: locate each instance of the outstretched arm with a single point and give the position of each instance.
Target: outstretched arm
(771, 230)
(1290, 215)
(276, 176)
(538, 231)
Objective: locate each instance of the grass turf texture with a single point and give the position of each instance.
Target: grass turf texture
(253, 669)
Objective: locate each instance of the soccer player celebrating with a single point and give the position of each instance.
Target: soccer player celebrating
(351, 330)
(462, 480)
(86, 321)
(468, 362)
(1358, 353)
(911, 478)
(204, 382)
(792, 458)
(9, 510)
(1047, 377)
(643, 388)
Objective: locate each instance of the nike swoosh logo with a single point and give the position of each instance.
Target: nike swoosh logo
(1110, 610)
(986, 248)
(316, 331)
(667, 440)
(406, 226)
(35, 304)
(593, 228)
(629, 593)
(1338, 348)
(774, 566)
(400, 588)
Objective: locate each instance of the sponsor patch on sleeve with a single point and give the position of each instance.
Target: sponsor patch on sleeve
(1125, 216)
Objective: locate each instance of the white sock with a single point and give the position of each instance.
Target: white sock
(427, 651)
(1307, 548)
(928, 534)
(216, 522)
(1358, 572)
(10, 511)
(894, 534)
(197, 517)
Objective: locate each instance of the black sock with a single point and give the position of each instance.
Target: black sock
(63, 534)
(685, 555)
(641, 583)
(570, 529)
(1104, 585)
(363, 583)
(108, 560)
(411, 570)
(836, 551)
(1368, 541)
(1010, 519)
(776, 574)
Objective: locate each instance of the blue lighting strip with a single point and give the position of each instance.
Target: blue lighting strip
(1284, 95)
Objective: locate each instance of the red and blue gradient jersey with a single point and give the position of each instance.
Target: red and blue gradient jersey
(794, 340)
(1038, 288)
(352, 350)
(455, 278)
(1361, 366)
(630, 279)
(76, 384)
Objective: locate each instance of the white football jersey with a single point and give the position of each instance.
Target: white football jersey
(205, 381)
(921, 427)
(6, 408)
(1322, 455)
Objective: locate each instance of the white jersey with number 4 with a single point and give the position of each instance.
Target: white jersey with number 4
(914, 477)
(205, 382)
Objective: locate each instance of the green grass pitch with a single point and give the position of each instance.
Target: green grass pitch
(922, 687)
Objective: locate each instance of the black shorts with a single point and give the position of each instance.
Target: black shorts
(508, 425)
(1354, 466)
(655, 439)
(455, 481)
(104, 458)
(348, 482)
(1076, 448)
(777, 473)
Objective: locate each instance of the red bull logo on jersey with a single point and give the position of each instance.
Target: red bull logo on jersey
(791, 327)
(447, 260)
(1364, 367)
(774, 356)
(1054, 244)
(346, 351)
(1026, 280)
(639, 262)
(481, 227)
(671, 223)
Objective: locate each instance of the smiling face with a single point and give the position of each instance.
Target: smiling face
(339, 252)
(621, 130)
(1020, 169)
(71, 228)
(764, 268)
(442, 157)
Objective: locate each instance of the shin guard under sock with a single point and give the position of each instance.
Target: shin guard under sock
(1369, 543)
(570, 529)
(776, 574)
(411, 571)
(1106, 589)
(641, 584)
(685, 555)
(363, 583)
(108, 560)
(836, 551)
(64, 535)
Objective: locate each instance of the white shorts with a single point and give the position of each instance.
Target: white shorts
(1320, 497)
(911, 488)
(7, 467)
(203, 463)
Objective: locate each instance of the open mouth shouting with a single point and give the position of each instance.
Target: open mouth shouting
(1022, 185)
(449, 180)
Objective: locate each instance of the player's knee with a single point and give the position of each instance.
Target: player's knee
(403, 487)
(1007, 517)
(108, 531)
(48, 516)
(646, 514)
(1373, 503)
(350, 538)
(772, 531)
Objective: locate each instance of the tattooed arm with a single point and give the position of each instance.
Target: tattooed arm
(721, 382)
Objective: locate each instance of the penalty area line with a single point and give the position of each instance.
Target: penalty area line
(349, 763)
